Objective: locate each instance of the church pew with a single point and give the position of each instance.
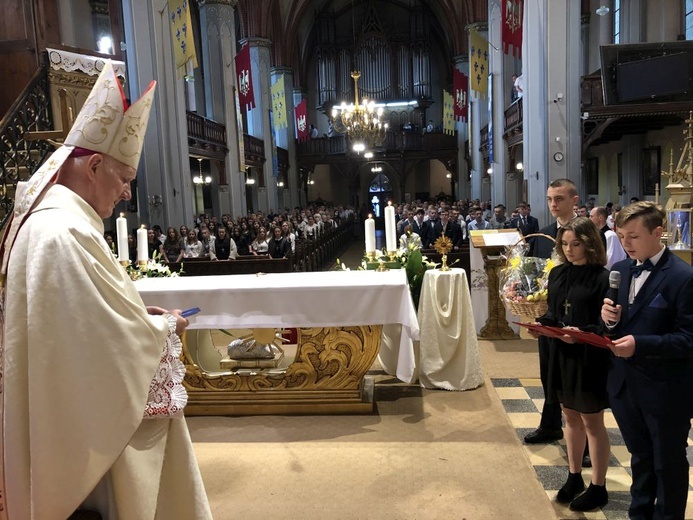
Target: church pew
(242, 265)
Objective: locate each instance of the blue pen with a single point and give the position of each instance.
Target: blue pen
(189, 312)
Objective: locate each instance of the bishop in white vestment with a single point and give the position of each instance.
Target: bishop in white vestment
(92, 396)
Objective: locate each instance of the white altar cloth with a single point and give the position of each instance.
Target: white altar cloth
(322, 299)
(449, 351)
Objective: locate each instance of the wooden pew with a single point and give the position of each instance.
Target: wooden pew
(250, 264)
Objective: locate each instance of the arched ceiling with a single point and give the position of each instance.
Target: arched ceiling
(288, 23)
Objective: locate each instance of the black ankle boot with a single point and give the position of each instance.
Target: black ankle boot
(572, 488)
(594, 498)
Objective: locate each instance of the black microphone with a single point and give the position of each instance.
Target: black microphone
(614, 282)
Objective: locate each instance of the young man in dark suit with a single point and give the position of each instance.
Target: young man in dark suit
(561, 196)
(524, 222)
(650, 381)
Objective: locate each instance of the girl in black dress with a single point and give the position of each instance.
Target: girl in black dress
(577, 372)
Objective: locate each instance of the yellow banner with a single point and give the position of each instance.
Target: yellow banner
(182, 35)
(448, 113)
(279, 104)
(478, 63)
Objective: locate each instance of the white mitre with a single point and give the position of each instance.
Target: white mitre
(106, 125)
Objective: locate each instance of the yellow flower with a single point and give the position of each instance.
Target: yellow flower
(550, 264)
(514, 262)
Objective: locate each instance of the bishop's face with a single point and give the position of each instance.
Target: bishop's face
(112, 180)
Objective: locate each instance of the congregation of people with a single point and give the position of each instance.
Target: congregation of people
(271, 235)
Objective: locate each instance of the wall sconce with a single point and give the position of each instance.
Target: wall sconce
(155, 201)
(250, 180)
(520, 167)
(602, 10)
(489, 171)
(280, 184)
(448, 175)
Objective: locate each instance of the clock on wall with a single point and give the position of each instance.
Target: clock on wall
(558, 156)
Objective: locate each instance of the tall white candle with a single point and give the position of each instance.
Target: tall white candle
(122, 238)
(142, 249)
(370, 234)
(390, 228)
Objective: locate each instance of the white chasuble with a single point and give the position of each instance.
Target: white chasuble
(80, 352)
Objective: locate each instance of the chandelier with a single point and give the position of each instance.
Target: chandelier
(199, 179)
(361, 123)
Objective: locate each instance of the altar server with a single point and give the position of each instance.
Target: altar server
(92, 399)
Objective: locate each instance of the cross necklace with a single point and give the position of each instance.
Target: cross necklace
(566, 302)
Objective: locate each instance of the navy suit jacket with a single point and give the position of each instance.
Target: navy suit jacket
(531, 225)
(542, 247)
(659, 375)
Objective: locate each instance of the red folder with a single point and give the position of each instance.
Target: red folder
(549, 332)
(580, 336)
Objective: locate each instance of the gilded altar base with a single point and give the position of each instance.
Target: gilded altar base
(326, 376)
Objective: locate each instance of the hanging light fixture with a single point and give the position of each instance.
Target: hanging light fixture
(360, 122)
(376, 169)
(200, 179)
(602, 10)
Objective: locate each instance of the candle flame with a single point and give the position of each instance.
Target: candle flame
(122, 215)
(143, 226)
(370, 215)
(389, 203)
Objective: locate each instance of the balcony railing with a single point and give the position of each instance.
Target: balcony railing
(394, 141)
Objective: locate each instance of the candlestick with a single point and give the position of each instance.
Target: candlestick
(390, 228)
(370, 234)
(122, 239)
(142, 246)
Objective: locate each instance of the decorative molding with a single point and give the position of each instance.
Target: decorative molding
(203, 3)
(71, 62)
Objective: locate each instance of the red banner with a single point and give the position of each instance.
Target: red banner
(244, 78)
(461, 88)
(301, 112)
(512, 26)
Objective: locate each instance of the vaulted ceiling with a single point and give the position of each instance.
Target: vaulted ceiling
(289, 23)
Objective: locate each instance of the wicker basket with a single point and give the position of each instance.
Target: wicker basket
(528, 309)
(525, 308)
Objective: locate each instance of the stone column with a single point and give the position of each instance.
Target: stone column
(500, 156)
(551, 65)
(218, 52)
(462, 174)
(164, 167)
(258, 118)
(478, 117)
(286, 137)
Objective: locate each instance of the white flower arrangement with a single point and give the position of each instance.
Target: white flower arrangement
(153, 269)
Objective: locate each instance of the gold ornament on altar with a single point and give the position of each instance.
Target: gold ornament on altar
(443, 245)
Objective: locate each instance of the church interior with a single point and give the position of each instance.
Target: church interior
(261, 108)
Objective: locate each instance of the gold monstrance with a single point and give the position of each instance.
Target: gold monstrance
(443, 245)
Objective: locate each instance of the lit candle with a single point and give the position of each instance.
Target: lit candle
(142, 249)
(122, 238)
(370, 234)
(390, 228)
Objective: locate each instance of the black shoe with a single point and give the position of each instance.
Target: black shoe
(572, 488)
(586, 461)
(594, 498)
(543, 436)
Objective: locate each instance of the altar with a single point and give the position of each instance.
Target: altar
(339, 316)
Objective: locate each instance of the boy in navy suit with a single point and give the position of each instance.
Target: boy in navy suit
(650, 381)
